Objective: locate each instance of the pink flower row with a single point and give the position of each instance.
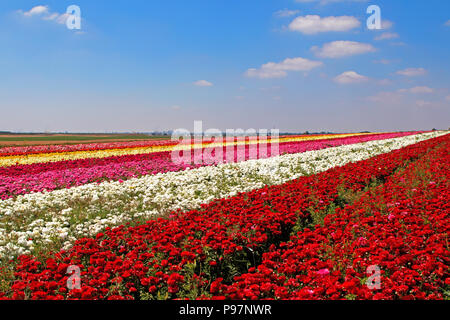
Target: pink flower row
(23, 179)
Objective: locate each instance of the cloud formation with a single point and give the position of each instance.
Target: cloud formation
(44, 13)
(387, 36)
(386, 24)
(281, 69)
(340, 49)
(412, 72)
(36, 11)
(313, 24)
(203, 83)
(417, 90)
(350, 77)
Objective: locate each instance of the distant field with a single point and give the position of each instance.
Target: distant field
(42, 139)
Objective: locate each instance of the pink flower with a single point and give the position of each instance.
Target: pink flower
(323, 272)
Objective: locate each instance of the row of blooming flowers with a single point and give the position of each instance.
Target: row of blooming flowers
(399, 228)
(38, 177)
(6, 161)
(39, 221)
(394, 202)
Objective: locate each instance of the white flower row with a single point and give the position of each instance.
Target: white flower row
(54, 220)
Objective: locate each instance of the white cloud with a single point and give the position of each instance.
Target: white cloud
(386, 24)
(58, 18)
(349, 77)
(387, 36)
(412, 72)
(44, 13)
(280, 70)
(52, 16)
(203, 83)
(35, 11)
(286, 13)
(340, 49)
(417, 90)
(313, 24)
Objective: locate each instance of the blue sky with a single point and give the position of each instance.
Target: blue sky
(295, 65)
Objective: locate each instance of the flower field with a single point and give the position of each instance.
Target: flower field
(306, 223)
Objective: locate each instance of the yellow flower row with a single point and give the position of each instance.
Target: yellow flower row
(76, 155)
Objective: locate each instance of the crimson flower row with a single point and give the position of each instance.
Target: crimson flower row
(397, 232)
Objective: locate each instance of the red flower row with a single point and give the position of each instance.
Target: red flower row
(398, 230)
